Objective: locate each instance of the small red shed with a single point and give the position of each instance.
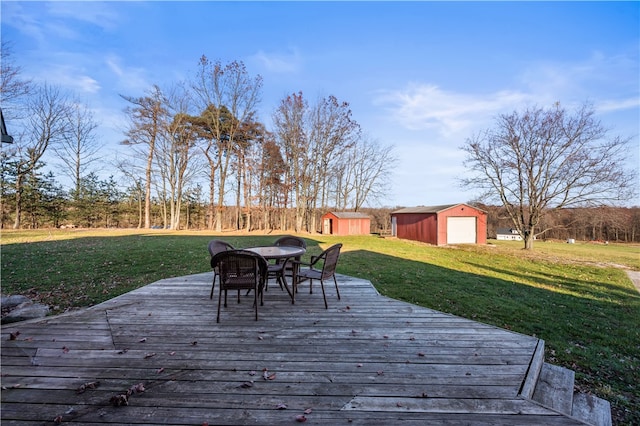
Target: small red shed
(346, 223)
(440, 225)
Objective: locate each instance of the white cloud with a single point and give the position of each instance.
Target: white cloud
(427, 106)
(278, 63)
(127, 78)
(608, 105)
(70, 77)
(100, 14)
(609, 82)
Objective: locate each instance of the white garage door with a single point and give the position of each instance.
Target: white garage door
(461, 230)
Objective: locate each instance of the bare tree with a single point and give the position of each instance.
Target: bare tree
(13, 87)
(543, 159)
(136, 187)
(290, 129)
(363, 174)
(228, 96)
(47, 124)
(145, 120)
(78, 148)
(332, 132)
(314, 140)
(175, 152)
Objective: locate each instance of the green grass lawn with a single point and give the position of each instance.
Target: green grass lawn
(574, 296)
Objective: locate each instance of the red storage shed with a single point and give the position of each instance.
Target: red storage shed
(441, 225)
(346, 223)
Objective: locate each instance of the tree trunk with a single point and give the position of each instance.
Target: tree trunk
(528, 239)
(16, 223)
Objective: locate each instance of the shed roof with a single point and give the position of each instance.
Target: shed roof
(350, 215)
(432, 209)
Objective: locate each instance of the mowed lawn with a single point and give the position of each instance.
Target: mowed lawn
(577, 297)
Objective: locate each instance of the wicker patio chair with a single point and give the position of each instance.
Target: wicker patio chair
(320, 268)
(290, 267)
(215, 247)
(240, 270)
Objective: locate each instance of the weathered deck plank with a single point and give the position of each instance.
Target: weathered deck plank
(365, 360)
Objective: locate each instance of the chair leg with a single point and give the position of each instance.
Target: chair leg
(336, 282)
(326, 306)
(255, 301)
(220, 300)
(213, 285)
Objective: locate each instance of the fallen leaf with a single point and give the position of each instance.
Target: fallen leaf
(301, 418)
(281, 406)
(88, 385)
(144, 339)
(172, 353)
(260, 338)
(252, 373)
(139, 388)
(359, 365)
(420, 353)
(119, 400)
(149, 355)
(159, 370)
(248, 384)
(398, 404)
(65, 350)
(16, 386)
(58, 420)
(14, 336)
(380, 373)
(123, 351)
(308, 411)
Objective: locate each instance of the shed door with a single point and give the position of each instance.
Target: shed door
(327, 227)
(461, 230)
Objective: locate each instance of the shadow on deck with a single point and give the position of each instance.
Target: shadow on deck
(367, 360)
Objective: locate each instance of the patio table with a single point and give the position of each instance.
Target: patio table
(280, 253)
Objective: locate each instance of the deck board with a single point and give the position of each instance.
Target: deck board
(367, 360)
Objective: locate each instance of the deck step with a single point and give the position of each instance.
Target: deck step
(591, 409)
(554, 389)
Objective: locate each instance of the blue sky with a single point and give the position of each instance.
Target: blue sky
(421, 76)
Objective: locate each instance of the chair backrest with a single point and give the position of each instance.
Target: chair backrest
(217, 246)
(240, 269)
(290, 240)
(330, 258)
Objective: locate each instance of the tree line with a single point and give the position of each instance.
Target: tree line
(195, 155)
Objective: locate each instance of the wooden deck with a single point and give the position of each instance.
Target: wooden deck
(366, 360)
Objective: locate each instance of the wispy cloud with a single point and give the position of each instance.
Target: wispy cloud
(69, 77)
(609, 82)
(127, 78)
(100, 14)
(427, 106)
(279, 62)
